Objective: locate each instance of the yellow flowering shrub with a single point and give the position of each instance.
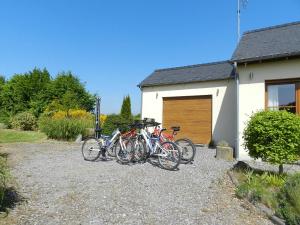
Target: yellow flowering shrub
(80, 114)
(59, 115)
(103, 117)
(73, 113)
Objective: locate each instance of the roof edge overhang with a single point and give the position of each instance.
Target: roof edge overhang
(273, 57)
(191, 82)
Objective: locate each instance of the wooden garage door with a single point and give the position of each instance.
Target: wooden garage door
(193, 114)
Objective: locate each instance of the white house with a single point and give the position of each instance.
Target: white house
(214, 101)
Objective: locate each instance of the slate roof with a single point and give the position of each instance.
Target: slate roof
(190, 74)
(269, 43)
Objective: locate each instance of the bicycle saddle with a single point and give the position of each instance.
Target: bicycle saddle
(175, 128)
(156, 124)
(137, 124)
(148, 120)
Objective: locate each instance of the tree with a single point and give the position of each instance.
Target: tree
(35, 90)
(19, 93)
(273, 136)
(66, 85)
(2, 80)
(126, 108)
(69, 101)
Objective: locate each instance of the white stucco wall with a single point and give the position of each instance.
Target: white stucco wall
(252, 91)
(223, 100)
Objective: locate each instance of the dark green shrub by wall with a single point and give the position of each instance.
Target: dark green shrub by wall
(23, 121)
(273, 136)
(113, 122)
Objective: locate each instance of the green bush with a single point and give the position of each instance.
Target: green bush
(273, 136)
(260, 188)
(24, 121)
(137, 117)
(64, 128)
(289, 200)
(113, 122)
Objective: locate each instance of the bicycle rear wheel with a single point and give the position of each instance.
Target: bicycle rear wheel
(124, 150)
(169, 155)
(91, 149)
(188, 150)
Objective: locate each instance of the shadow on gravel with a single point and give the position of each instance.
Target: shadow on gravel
(104, 159)
(4, 154)
(11, 199)
(155, 163)
(243, 166)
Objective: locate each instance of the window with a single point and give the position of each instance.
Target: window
(283, 95)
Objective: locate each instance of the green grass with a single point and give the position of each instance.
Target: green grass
(12, 136)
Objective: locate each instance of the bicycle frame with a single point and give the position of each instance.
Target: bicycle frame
(108, 143)
(153, 149)
(164, 136)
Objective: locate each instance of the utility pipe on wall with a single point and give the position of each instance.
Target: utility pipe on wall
(237, 84)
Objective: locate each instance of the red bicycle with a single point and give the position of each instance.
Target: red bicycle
(187, 147)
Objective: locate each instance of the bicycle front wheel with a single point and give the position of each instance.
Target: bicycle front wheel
(169, 155)
(139, 150)
(124, 150)
(91, 149)
(188, 150)
(112, 150)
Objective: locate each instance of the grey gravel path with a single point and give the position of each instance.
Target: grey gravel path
(62, 188)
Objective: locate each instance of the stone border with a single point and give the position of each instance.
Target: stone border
(260, 207)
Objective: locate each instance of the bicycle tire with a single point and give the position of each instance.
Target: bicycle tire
(124, 155)
(112, 151)
(188, 150)
(91, 144)
(173, 155)
(139, 150)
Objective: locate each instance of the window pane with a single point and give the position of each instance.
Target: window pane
(281, 95)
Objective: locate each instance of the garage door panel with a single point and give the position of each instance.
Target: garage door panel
(193, 124)
(193, 115)
(174, 120)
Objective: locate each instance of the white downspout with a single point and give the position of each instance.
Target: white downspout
(237, 137)
(141, 109)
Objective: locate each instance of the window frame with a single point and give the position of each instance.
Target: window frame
(295, 81)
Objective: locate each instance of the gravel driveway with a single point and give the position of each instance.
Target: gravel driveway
(62, 188)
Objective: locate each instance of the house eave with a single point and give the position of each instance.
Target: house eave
(274, 57)
(176, 83)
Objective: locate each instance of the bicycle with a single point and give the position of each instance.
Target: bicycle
(138, 152)
(93, 147)
(188, 149)
(167, 152)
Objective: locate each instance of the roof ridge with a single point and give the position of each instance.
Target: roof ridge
(272, 27)
(192, 66)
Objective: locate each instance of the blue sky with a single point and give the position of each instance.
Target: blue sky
(112, 45)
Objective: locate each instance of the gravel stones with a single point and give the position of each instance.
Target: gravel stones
(62, 188)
